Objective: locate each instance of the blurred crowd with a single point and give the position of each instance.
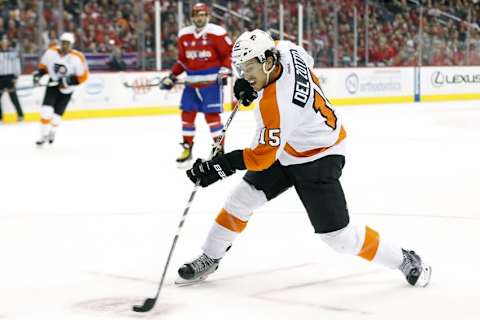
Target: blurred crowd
(449, 35)
(394, 34)
(96, 24)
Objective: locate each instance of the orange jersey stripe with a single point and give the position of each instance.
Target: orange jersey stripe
(315, 78)
(264, 155)
(83, 77)
(79, 54)
(230, 222)
(370, 244)
(321, 106)
(291, 151)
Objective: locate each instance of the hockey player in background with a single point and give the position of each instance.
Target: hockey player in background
(299, 142)
(204, 53)
(66, 68)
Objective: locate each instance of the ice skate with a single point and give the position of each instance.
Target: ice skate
(416, 272)
(51, 137)
(185, 159)
(40, 142)
(197, 270)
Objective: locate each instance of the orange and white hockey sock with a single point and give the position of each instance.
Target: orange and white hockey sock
(232, 219)
(365, 242)
(380, 249)
(46, 114)
(222, 234)
(56, 120)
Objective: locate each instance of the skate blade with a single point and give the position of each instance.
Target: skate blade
(180, 282)
(425, 276)
(184, 165)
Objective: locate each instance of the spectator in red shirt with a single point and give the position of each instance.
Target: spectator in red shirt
(100, 34)
(384, 53)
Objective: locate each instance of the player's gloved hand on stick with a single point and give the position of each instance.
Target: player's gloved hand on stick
(223, 75)
(209, 172)
(244, 91)
(68, 81)
(168, 82)
(36, 77)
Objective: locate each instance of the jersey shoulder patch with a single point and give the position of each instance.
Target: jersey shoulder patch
(215, 29)
(186, 30)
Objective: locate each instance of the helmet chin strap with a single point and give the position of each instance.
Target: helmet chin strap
(267, 72)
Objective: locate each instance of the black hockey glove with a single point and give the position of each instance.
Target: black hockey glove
(209, 172)
(168, 82)
(68, 81)
(244, 91)
(72, 80)
(36, 76)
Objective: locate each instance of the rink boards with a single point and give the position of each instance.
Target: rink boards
(104, 94)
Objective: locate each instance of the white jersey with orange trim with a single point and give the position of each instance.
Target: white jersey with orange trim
(295, 121)
(58, 66)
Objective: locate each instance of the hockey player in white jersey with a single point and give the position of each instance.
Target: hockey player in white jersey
(299, 142)
(66, 68)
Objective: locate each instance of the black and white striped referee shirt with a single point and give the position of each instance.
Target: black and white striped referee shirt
(10, 62)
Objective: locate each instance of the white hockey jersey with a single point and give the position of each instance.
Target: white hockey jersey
(295, 121)
(58, 66)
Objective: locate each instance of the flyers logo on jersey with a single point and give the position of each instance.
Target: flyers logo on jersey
(302, 83)
(60, 69)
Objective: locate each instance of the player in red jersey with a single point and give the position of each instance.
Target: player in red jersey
(204, 53)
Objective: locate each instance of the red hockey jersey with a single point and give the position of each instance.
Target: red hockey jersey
(202, 54)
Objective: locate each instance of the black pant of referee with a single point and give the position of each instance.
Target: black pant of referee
(7, 83)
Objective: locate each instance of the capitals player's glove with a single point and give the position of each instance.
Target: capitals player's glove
(209, 172)
(168, 82)
(223, 75)
(244, 91)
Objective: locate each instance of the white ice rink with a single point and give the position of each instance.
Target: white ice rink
(86, 224)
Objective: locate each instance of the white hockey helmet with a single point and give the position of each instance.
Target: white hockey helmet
(252, 44)
(68, 37)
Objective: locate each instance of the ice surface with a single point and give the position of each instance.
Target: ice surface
(86, 224)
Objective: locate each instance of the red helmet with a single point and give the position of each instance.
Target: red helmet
(199, 7)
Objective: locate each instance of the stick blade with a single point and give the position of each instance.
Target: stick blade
(147, 305)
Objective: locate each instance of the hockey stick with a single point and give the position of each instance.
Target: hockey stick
(50, 84)
(155, 82)
(148, 84)
(149, 303)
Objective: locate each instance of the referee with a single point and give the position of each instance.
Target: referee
(9, 72)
